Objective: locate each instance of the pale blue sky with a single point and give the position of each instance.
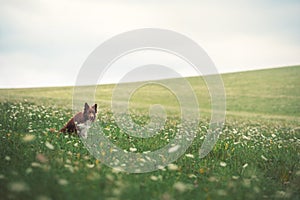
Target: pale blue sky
(44, 43)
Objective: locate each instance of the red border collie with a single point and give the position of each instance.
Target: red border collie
(81, 121)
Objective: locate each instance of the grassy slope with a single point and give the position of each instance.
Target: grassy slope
(269, 93)
(260, 145)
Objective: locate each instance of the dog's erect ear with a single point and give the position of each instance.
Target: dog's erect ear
(95, 107)
(86, 107)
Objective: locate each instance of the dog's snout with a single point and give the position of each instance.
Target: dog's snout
(92, 117)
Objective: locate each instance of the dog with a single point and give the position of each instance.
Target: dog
(81, 121)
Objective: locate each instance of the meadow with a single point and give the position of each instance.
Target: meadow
(257, 155)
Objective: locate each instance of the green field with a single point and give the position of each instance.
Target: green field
(256, 157)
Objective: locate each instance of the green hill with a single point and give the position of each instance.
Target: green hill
(270, 93)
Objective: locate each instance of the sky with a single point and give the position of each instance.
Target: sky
(45, 43)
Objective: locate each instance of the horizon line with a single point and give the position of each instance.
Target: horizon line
(112, 83)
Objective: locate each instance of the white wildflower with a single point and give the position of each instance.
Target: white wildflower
(18, 187)
(264, 158)
(192, 176)
(154, 178)
(223, 164)
(174, 148)
(28, 170)
(63, 182)
(222, 192)
(180, 187)
(35, 164)
(160, 167)
(28, 138)
(49, 145)
(172, 167)
(189, 155)
(132, 149)
(90, 165)
(7, 158)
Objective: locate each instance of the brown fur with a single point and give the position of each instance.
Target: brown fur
(89, 114)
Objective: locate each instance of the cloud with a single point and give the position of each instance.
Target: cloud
(44, 39)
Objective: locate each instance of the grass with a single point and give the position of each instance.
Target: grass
(257, 155)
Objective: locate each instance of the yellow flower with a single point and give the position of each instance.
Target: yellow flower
(201, 170)
(226, 146)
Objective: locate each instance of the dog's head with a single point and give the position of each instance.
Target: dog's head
(90, 112)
